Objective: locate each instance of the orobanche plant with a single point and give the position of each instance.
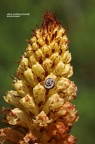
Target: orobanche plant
(41, 111)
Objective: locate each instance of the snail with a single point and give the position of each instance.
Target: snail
(49, 83)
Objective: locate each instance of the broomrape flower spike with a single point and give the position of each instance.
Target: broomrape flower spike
(42, 94)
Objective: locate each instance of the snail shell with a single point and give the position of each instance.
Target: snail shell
(49, 83)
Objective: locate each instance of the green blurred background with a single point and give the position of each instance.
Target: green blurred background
(76, 15)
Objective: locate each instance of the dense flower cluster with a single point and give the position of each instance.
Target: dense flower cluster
(42, 112)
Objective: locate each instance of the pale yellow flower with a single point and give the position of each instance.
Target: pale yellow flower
(42, 91)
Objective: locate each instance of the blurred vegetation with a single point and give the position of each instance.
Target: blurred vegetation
(79, 17)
